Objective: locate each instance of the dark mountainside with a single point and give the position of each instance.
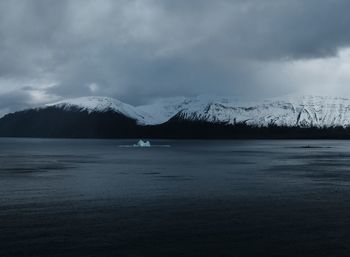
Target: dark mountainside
(57, 123)
(54, 122)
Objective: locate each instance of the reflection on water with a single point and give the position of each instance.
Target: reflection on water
(195, 198)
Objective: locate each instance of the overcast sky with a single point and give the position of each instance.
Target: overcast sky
(138, 50)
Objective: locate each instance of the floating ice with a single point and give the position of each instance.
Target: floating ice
(142, 143)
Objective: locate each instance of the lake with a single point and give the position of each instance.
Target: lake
(179, 198)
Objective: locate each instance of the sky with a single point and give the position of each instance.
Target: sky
(140, 50)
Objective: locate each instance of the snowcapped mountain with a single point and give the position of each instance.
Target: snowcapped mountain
(200, 117)
(101, 104)
(290, 111)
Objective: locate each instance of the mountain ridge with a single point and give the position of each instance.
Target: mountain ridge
(185, 118)
(303, 111)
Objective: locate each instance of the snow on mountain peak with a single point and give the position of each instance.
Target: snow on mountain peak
(91, 103)
(290, 110)
(102, 104)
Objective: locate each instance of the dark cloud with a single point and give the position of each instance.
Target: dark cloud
(12, 101)
(136, 50)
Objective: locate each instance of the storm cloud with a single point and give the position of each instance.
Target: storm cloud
(138, 50)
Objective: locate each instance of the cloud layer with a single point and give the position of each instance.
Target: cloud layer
(136, 50)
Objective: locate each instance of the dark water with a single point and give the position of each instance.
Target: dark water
(195, 198)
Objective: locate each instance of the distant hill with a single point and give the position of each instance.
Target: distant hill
(199, 117)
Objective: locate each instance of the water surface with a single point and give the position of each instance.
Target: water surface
(194, 198)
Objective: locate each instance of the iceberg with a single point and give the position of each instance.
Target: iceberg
(142, 143)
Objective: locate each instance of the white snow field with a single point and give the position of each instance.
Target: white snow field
(293, 110)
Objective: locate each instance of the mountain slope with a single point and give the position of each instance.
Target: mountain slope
(303, 111)
(73, 123)
(99, 105)
(202, 117)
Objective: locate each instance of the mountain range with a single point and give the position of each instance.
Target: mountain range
(293, 116)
